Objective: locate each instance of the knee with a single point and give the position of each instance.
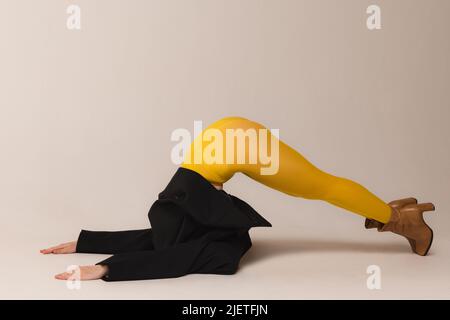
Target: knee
(322, 186)
(336, 187)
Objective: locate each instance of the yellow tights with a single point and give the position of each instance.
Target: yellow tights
(296, 176)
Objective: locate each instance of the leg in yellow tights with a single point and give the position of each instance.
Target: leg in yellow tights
(296, 176)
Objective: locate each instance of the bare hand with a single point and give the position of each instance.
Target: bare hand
(84, 273)
(63, 248)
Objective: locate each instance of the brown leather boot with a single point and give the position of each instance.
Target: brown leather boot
(371, 223)
(407, 220)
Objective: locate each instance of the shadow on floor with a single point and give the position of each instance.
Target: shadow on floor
(263, 249)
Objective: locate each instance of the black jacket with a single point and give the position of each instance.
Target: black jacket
(195, 228)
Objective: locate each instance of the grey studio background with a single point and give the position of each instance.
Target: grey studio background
(86, 117)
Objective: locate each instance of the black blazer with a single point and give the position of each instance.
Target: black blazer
(195, 228)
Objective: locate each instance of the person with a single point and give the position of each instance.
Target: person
(197, 227)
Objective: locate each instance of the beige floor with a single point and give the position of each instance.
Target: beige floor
(285, 263)
(86, 118)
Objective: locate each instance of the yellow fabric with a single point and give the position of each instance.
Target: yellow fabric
(296, 176)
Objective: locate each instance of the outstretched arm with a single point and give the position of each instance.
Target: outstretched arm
(112, 242)
(107, 242)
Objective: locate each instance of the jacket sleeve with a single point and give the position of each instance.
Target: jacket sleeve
(175, 261)
(112, 242)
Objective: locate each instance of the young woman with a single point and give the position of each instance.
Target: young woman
(197, 227)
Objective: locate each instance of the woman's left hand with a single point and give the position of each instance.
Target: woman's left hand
(84, 273)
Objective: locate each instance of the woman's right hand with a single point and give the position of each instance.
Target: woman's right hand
(63, 248)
